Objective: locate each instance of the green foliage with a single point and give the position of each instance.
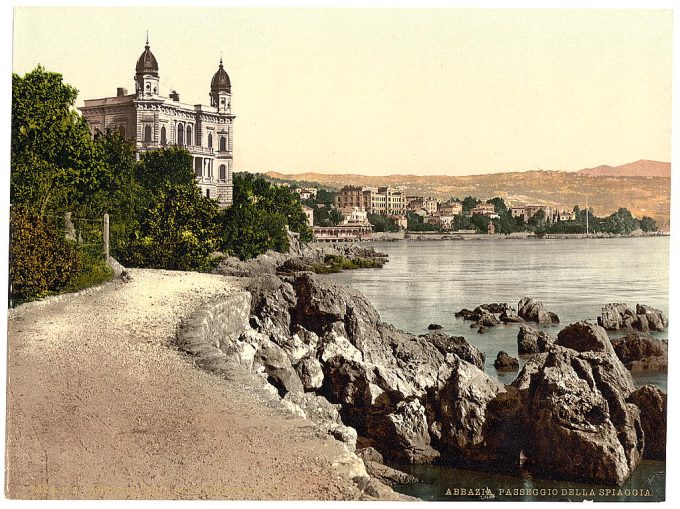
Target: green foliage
(177, 227)
(338, 263)
(647, 224)
(41, 260)
(382, 223)
(469, 203)
(327, 216)
(258, 217)
(414, 223)
(53, 157)
(499, 205)
(93, 270)
(621, 222)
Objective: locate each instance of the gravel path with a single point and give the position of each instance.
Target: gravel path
(101, 406)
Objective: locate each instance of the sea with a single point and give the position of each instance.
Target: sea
(426, 282)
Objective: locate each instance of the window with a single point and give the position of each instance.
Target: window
(121, 131)
(198, 162)
(164, 139)
(223, 144)
(189, 135)
(147, 133)
(207, 193)
(209, 140)
(223, 172)
(180, 134)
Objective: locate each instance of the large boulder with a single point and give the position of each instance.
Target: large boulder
(652, 404)
(532, 310)
(579, 425)
(656, 320)
(585, 337)
(504, 362)
(278, 369)
(457, 345)
(310, 373)
(272, 299)
(531, 341)
(618, 316)
(458, 414)
(509, 316)
(402, 436)
(488, 320)
(641, 352)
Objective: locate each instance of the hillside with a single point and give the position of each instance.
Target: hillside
(641, 168)
(643, 196)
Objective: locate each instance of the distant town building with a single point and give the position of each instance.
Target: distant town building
(485, 209)
(341, 233)
(382, 200)
(153, 121)
(400, 221)
(309, 212)
(306, 193)
(356, 217)
(526, 212)
(491, 229)
(451, 208)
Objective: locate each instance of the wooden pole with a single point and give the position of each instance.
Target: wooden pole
(106, 236)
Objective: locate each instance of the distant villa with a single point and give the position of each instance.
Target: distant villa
(153, 121)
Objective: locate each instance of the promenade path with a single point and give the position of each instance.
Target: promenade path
(100, 405)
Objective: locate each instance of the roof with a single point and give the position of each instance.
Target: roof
(146, 63)
(220, 81)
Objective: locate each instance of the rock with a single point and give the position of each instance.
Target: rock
(333, 345)
(402, 435)
(531, 367)
(488, 320)
(388, 475)
(504, 428)
(310, 373)
(504, 362)
(482, 330)
(579, 425)
(496, 308)
(585, 337)
(530, 341)
(532, 310)
(279, 371)
(370, 454)
(641, 352)
(457, 345)
(614, 316)
(434, 326)
(463, 313)
(459, 410)
(656, 319)
(510, 317)
(652, 404)
(619, 316)
(272, 299)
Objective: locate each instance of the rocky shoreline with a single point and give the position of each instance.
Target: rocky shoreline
(572, 413)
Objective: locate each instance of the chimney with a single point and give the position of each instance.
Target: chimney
(120, 91)
(174, 96)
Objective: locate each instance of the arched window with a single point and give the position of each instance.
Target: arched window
(147, 133)
(189, 137)
(223, 172)
(180, 134)
(209, 140)
(223, 144)
(121, 131)
(198, 166)
(164, 137)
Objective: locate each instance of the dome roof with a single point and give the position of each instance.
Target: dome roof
(147, 64)
(220, 81)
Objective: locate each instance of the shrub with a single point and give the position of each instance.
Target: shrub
(41, 260)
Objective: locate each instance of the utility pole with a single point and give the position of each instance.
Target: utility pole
(587, 228)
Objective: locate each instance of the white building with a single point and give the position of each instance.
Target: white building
(152, 121)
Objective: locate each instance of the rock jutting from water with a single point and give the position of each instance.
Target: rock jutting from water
(571, 412)
(532, 341)
(532, 310)
(505, 362)
(644, 318)
(641, 352)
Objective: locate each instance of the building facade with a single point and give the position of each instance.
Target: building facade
(152, 121)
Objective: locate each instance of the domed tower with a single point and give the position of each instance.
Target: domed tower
(146, 73)
(220, 90)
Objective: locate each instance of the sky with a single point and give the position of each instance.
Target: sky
(386, 91)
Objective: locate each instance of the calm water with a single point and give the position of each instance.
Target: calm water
(428, 281)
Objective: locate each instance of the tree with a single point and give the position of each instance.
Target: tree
(177, 227)
(382, 223)
(258, 218)
(647, 224)
(470, 203)
(621, 222)
(53, 158)
(499, 205)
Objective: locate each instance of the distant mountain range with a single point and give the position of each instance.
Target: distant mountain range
(641, 168)
(643, 187)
